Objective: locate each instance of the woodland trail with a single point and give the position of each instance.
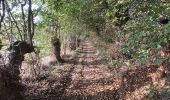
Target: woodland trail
(86, 77)
(83, 77)
(90, 79)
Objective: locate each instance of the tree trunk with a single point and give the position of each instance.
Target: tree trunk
(30, 24)
(78, 42)
(57, 48)
(17, 51)
(9, 75)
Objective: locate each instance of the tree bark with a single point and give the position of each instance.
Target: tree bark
(9, 75)
(17, 51)
(2, 3)
(57, 48)
(29, 31)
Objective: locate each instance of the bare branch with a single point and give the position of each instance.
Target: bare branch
(33, 26)
(23, 17)
(2, 3)
(16, 24)
(5, 27)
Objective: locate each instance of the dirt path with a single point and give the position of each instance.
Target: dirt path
(86, 77)
(90, 78)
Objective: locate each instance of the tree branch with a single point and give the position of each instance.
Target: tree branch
(33, 26)
(16, 24)
(2, 3)
(23, 18)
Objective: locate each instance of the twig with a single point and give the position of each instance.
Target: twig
(16, 24)
(3, 12)
(23, 18)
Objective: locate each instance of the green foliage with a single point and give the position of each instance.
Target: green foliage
(42, 41)
(142, 30)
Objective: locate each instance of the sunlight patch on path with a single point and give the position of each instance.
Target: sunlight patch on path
(90, 78)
